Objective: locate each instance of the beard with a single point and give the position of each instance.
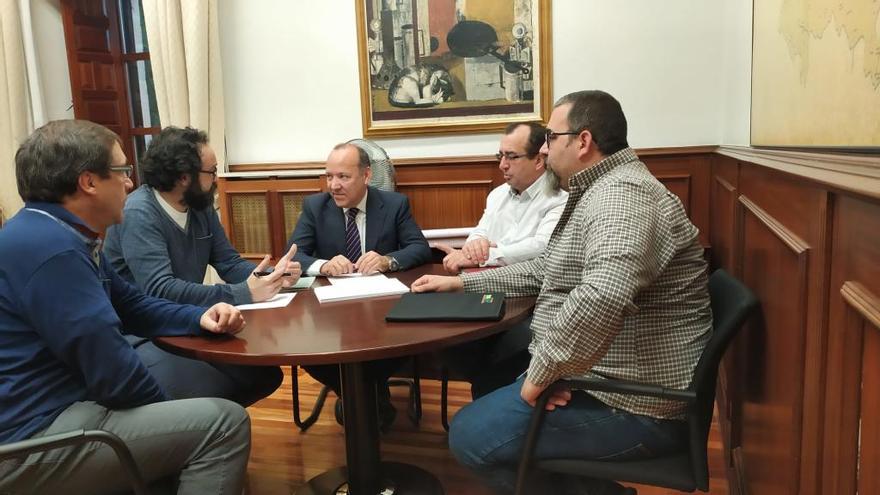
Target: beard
(197, 199)
(553, 183)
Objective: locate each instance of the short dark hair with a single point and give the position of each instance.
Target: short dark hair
(536, 136)
(598, 112)
(49, 162)
(363, 157)
(174, 152)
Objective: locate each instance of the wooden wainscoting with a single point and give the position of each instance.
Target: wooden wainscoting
(798, 395)
(259, 213)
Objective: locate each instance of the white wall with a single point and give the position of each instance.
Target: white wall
(737, 69)
(681, 69)
(292, 78)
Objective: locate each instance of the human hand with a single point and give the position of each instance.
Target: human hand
(266, 287)
(371, 262)
(284, 265)
(477, 250)
(455, 259)
(337, 266)
(222, 318)
(437, 283)
(530, 393)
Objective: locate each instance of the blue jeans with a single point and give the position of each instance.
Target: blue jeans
(488, 435)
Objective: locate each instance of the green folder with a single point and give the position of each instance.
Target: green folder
(448, 306)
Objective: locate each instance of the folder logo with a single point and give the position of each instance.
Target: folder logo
(487, 299)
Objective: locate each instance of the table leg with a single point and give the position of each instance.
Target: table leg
(361, 430)
(365, 473)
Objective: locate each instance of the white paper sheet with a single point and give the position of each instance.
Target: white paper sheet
(357, 288)
(303, 283)
(447, 233)
(354, 278)
(279, 301)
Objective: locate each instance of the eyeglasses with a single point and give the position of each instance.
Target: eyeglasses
(509, 155)
(213, 173)
(549, 135)
(125, 169)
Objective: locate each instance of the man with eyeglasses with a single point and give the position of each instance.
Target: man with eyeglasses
(170, 235)
(519, 217)
(622, 292)
(64, 363)
(521, 213)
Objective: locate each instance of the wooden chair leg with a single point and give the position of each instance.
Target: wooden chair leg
(304, 424)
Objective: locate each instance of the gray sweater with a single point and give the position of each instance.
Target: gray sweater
(150, 250)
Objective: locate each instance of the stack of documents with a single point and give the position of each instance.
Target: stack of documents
(343, 289)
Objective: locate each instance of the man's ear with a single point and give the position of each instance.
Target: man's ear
(184, 180)
(539, 162)
(86, 183)
(585, 143)
(368, 172)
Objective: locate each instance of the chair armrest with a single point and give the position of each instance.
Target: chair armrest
(627, 387)
(76, 437)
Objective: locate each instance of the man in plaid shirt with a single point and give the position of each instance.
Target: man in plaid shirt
(622, 293)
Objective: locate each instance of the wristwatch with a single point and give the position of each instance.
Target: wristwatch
(393, 265)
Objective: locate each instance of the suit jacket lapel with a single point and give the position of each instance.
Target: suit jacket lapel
(375, 219)
(335, 226)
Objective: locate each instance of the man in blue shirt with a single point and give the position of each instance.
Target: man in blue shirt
(64, 363)
(170, 235)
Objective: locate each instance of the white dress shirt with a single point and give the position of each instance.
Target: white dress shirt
(360, 220)
(519, 224)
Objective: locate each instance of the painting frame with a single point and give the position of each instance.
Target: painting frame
(522, 55)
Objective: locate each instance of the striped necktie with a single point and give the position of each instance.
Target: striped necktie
(352, 238)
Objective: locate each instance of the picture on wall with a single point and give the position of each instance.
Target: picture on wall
(447, 66)
(816, 74)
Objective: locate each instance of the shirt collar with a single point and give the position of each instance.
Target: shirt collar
(73, 223)
(63, 214)
(585, 178)
(533, 189)
(362, 204)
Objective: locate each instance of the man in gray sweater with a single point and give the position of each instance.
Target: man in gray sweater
(171, 233)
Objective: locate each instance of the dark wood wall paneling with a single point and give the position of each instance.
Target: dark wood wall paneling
(798, 396)
(443, 192)
(799, 390)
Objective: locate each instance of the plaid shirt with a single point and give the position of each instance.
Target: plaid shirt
(622, 287)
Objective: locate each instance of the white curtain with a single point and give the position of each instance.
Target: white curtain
(184, 43)
(15, 122)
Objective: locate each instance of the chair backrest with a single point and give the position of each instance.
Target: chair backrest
(380, 163)
(732, 303)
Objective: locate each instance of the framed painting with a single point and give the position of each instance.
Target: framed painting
(452, 66)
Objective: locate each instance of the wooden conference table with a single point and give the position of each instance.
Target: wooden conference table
(349, 333)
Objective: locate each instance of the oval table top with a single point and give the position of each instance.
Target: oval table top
(307, 332)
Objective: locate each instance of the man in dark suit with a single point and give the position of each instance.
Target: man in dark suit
(357, 228)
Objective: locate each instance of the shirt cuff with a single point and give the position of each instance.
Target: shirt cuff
(541, 372)
(315, 268)
(241, 293)
(496, 257)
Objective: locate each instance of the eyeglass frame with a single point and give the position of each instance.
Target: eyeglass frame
(210, 172)
(549, 135)
(510, 156)
(127, 170)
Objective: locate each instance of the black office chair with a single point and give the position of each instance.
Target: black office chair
(732, 303)
(29, 446)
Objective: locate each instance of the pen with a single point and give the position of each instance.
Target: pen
(263, 274)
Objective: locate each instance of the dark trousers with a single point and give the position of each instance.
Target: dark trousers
(491, 363)
(184, 378)
(376, 371)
